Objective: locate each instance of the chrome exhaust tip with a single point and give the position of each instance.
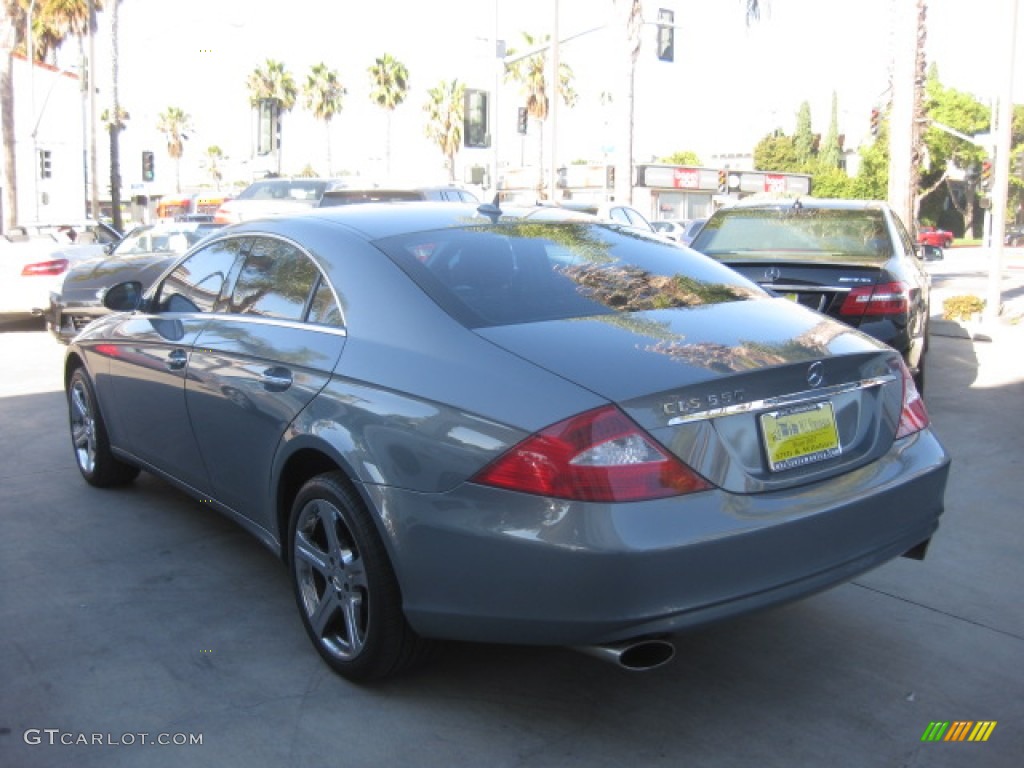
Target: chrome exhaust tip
(634, 655)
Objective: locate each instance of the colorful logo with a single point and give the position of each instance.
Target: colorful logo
(959, 730)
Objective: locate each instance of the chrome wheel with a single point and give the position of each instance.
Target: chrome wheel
(345, 587)
(83, 426)
(97, 463)
(331, 579)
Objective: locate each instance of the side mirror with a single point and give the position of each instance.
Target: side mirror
(932, 253)
(123, 297)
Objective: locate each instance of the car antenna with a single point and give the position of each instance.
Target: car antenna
(492, 210)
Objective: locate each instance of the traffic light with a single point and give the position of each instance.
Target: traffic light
(474, 119)
(148, 168)
(666, 34)
(986, 175)
(876, 119)
(521, 119)
(723, 182)
(268, 136)
(45, 166)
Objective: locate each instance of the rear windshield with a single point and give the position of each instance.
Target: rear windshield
(756, 232)
(351, 196)
(524, 272)
(284, 189)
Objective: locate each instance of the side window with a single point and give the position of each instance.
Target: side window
(196, 284)
(618, 215)
(324, 310)
(276, 281)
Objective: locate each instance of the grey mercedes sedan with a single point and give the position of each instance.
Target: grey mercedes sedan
(520, 426)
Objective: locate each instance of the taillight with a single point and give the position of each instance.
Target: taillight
(40, 268)
(914, 416)
(882, 299)
(224, 216)
(600, 455)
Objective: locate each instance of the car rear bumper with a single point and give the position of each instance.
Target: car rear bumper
(481, 564)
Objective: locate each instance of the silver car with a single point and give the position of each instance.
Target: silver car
(461, 422)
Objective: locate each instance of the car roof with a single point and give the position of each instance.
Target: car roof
(807, 202)
(379, 220)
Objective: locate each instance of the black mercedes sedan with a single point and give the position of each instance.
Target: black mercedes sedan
(852, 260)
(527, 426)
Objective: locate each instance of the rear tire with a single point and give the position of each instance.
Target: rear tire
(89, 438)
(345, 587)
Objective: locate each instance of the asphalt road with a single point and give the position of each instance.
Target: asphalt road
(137, 616)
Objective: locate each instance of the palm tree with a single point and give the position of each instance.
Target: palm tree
(323, 94)
(53, 21)
(531, 73)
(444, 122)
(389, 84)
(214, 157)
(175, 124)
(273, 83)
(115, 124)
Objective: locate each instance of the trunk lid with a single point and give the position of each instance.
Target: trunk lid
(700, 379)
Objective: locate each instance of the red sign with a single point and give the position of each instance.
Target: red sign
(773, 182)
(686, 178)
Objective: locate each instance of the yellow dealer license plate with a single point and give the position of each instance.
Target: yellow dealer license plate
(800, 435)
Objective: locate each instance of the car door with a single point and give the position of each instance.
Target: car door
(258, 364)
(151, 363)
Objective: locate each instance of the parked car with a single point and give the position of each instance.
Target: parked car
(852, 260)
(273, 197)
(692, 228)
(143, 255)
(934, 236)
(347, 196)
(35, 258)
(681, 230)
(672, 228)
(1014, 236)
(454, 422)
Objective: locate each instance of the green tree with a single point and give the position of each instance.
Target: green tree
(964, 113)
(777, 152)
(803, 139)
(685, 157)
(323, 94)
(830, 155)
(530, 72)
(272, 82)
(389, 85)
(175, 124)
(214, 158)
(444, 110)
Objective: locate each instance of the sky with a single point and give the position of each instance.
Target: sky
(730, 83)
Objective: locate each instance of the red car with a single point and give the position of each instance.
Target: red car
(934, 236)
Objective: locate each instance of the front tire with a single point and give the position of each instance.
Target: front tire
(89, 438)
(345, 587)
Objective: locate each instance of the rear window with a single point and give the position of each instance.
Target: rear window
(754, 232)
(352, 196)
(524, 272)
(284, 189)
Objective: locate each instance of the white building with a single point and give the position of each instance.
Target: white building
(50, 129)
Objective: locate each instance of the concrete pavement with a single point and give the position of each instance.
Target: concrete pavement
(136, 612)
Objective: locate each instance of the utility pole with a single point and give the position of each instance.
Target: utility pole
(1001, 167)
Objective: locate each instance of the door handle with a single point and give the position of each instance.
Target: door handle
(176, 360)
(276, 379)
